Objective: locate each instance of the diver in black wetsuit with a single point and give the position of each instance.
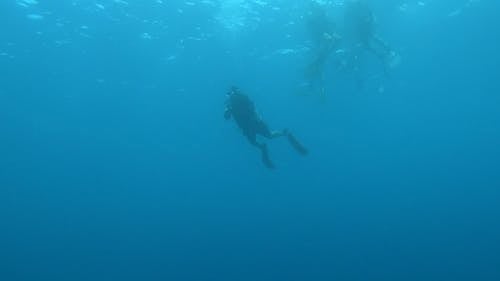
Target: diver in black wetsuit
(242, 110)
(325, 39)
(360, 24)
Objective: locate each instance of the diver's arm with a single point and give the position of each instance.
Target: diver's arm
(227, 113)
(381, 43)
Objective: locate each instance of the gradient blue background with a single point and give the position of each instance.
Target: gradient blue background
(116, 162)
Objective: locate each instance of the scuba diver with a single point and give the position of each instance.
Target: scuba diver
(360, 23)
(325, 39)
(242, 110)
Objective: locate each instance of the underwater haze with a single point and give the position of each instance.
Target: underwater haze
(116, 162)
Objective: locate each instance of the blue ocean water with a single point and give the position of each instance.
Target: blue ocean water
(116, 162)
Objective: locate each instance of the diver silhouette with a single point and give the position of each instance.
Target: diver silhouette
(242, 110)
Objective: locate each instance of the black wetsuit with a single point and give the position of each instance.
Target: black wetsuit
(242, 110)
(360, 22)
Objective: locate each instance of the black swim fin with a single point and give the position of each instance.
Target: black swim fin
(297, 145)
(265, 157)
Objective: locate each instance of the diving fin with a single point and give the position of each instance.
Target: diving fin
(265, 157)
(297, 145)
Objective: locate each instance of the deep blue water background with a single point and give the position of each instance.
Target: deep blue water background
(116, 162)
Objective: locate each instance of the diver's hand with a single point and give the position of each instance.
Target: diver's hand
(227, 114)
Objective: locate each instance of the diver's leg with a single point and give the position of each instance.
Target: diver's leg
(299, 147)
(275, 134)
(382, 51)
(315, 70)
(265, 157)
(291, 139)
(263, 130)
(353, 63)
(279, 134)
(252, 138)
(383, 46)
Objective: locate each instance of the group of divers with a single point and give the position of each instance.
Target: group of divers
(358, 36)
